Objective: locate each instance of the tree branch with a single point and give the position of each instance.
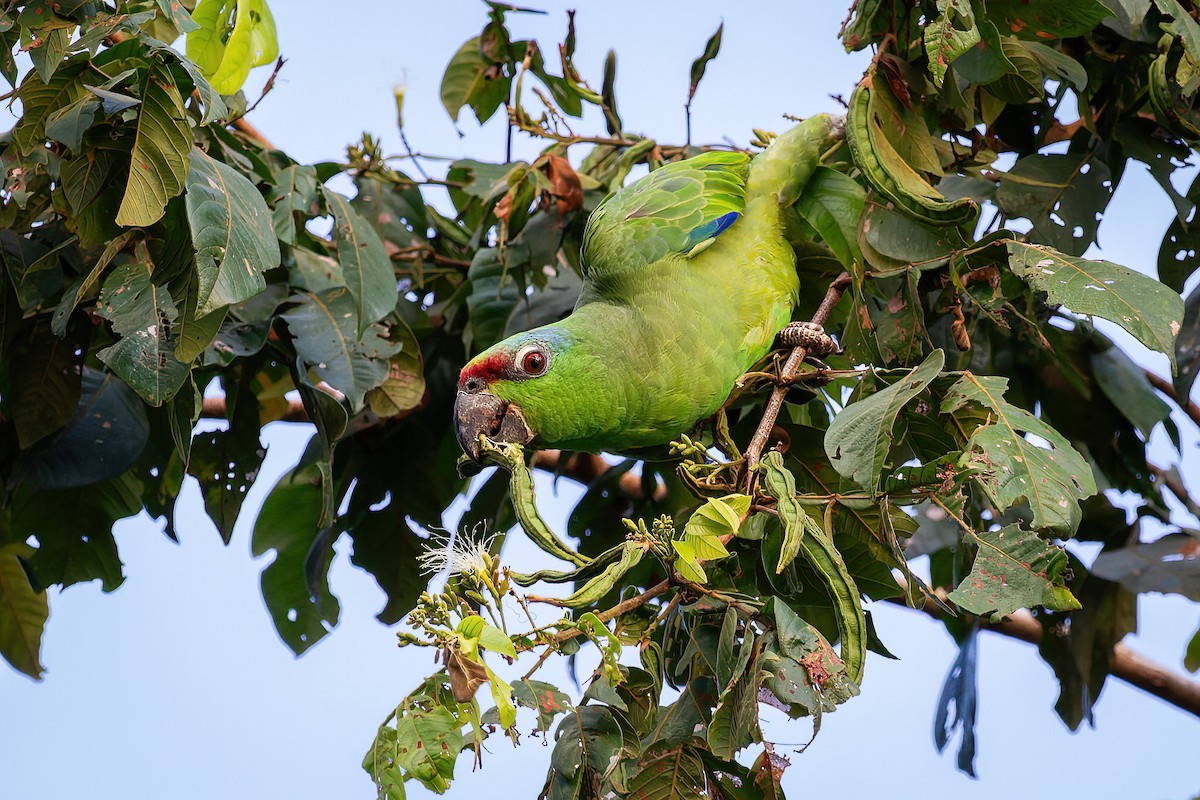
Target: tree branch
(1125, 664)
(1167, 388)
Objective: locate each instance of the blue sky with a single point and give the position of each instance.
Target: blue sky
(177, 685)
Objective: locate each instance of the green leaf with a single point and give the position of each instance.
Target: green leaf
(470, 80)
(859, 438)
(674, 774)
(1053, 481)
(404, 388)
(47, 56)
(287, 524)
(735, 718)
(47, 394)
(832, 203)
(365, 264)
(23, 614)
(1168, 565)
(1191, 657)
(179, 17)
(1047, 19)
(231, 233)
(68, 124)
(1141, 305)
(295, 191)
(326, 340)
(1182, 25)
(83, 177)
(1125, 383)
(39, 100)
(427, 746)
(1059, 66)
(145, 318)
(544, 698)
(1063, 195)
(496, 640)
(227, 48)
(159, 162)
(1179, 253)
(711, 48)
(103, 439)
(587, 748)
(1187, 346)
(950, 35)
(1013, 569)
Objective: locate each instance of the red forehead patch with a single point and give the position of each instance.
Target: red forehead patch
(488, 370)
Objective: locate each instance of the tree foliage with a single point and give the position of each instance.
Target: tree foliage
(152, 249)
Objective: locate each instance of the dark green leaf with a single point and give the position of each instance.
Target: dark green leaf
(365, 265)
(23, 614)
(1170, 564)
(711, 48)
(1013, 569)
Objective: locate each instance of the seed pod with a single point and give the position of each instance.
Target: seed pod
(520, 489)
(602, 584)
(890, 175)
(819, 551)
(778, 482)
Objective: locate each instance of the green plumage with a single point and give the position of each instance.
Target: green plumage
(677, 302)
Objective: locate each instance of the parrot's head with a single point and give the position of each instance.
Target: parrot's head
(511, 390)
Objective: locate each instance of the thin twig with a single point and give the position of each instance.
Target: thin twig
(268, 86)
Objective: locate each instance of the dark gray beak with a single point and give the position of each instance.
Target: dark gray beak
(482, 412)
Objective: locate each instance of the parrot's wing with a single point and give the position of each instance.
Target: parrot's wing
(678, 208)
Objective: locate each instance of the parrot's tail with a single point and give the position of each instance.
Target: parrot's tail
(784, 168)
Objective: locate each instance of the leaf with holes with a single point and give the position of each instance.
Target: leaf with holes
(324, 327)
(1052, 480)
(365, 264)
(1063, 195)
(1013, 569)
(231, 231)
(145, 317)
(860, 436)
(1139, 304)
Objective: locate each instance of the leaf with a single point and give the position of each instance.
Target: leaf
(545, 698)
(84, 176)
(84, 286)
(735, 718)
(103, 438)
(587, 748)
(832, 203)
(470, 80)
(427, 746)
(68, 124)
(1169, 565)
(404, 388)
(1126, 385)
(950, 35)
(47, 393)
(1140, 305)
(144, 316)
(1047, 19)
(231, 232)
(859, 438)
(1013, 569)
(159, 164)
(1187, 346)
(295, 191)
(1182, 25)
(1179, 253)
(701, 540)
(711, 48)
(960, 696)
(1053, 481)
(23, 614)
(39, 100)
(365, 265)
(226, 462)
(287, 524)
(1191, 657)
(1063, 195)
(179, 17)
(227, 49)
(674, 774)
(324, 327)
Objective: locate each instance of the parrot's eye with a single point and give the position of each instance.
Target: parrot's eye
(533, 361)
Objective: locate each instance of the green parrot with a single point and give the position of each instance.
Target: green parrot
(688, 278)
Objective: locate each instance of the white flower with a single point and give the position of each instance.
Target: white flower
(461, 555)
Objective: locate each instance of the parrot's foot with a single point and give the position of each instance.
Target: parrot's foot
(810, 336)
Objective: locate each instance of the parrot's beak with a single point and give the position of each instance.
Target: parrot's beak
(483, 412)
